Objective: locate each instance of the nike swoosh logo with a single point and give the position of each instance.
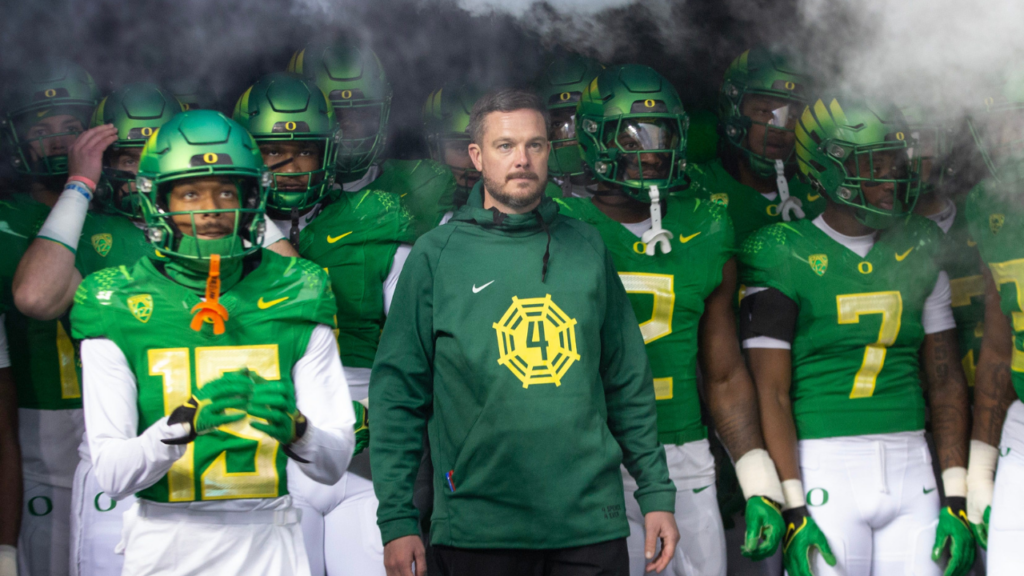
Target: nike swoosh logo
(900, 257)
(6, 228)
(971, 243)
(813, 197)
(475, 289)
(333, 239)
(685, 239)
(699, 490)
(42, 113)
(928, 491)
(264, 305)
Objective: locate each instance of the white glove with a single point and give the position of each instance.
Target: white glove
(8, 560)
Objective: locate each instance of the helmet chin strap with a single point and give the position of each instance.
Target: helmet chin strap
(656, 236)
(787, 204)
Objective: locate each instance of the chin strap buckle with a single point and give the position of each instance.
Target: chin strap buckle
(656, 236)
(787, 203)
(211, 309)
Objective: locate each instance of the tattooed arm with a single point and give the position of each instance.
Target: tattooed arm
(993, 389)
(731, 397)
(947, 397)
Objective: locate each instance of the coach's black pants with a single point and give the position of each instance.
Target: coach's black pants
(604, 559)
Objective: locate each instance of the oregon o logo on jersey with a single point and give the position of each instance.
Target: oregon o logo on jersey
(141, 306)
(819, 263)
(536, 341)
(102, 243)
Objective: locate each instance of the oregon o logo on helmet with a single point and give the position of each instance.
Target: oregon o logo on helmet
(865, 267)
(772, 210)
(289, 125)
(210, 158)
(649, 103)
(34, 508)
(186, 107)
(50, 93)
(989, 101)
(346, 94)
(640, 247)
(900, 136)
(146, 131)
(817, 497)
(564, 96)
(96, 503)
(790, 85)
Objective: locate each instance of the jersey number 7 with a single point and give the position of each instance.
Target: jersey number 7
(851, 307)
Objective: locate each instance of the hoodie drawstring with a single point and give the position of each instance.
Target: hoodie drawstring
(547, 247)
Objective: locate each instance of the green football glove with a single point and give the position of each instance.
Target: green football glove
(206, 409)
(802, 535)
(764, 528)
(362, 427)
(981, 530)
(954, 532)
(274, 402)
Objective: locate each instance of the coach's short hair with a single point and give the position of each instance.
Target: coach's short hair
(503, 100)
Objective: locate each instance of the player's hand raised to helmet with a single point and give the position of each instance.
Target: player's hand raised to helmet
(85, 158)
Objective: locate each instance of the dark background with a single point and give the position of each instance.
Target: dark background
(223, 46)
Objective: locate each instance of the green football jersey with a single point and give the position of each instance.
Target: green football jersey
(962, 262)
(272, 313)
(354, 239)
(858, 333)
(44, 361)
(749, 209)
(667, 292)
(427, 190)
(995, 219)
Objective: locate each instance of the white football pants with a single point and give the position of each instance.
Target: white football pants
(1006, 523)
(45, 520)
(96, 526)
(701, 548)
(876, 499)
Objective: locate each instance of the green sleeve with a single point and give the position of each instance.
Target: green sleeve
(87, 311)
(323, 306)
(401, 393)
(629, 396)
(765, 260)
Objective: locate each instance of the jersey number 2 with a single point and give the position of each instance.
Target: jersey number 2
(851, 307)
(212, 362)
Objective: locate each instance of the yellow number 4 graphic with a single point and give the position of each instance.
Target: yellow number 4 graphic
(851, 307)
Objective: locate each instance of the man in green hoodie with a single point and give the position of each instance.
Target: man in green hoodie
(512, 340)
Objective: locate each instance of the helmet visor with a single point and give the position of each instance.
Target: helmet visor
(771, 135)
(647, 146)
(562, 130)
(885, 176)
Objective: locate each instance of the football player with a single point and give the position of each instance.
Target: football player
(754, 174)
(995, 218)
(445, 120)
(842, 314)
(210, 365)
(560, 87)
(361, 239)
(358, 88)
(632, 120)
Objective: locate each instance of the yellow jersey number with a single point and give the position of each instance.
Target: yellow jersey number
(217, 483)
(851, 307)
(659, 325)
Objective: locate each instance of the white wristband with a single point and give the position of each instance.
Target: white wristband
(272, 234)
(64, 224)
(954, 482)
(757, 476)
(981, 473)
(794, 493)
(8, 560)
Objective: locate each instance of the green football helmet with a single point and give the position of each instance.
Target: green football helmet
(57, 88)
(560, 87)
(445, 122)
(933, 143)
(760, 72)
(358, 88)
(997, 124)
(137, 111)
(838, 139)
(283, 107)
(629, 114)
(192, 94)
(196, 144)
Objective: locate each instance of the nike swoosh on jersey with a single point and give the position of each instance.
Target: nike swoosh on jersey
(685, 239)
(264, 305)
(813, 197)
(928, 490)
(971, 243)
(900, 257)
(333, 239)
(475, 289)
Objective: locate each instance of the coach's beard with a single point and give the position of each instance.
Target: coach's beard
(515, 200)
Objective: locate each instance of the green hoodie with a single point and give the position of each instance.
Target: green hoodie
(512, 339)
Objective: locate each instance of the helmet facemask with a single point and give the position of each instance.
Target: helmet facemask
(41, 147)
(864, 171)
(638, 152)
(999, 133)
(364, 129)
(565, 159)
(761, 126)
(300, 190)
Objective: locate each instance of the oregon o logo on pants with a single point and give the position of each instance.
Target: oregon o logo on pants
(817, 497)
(33, 506)
(96, 503)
